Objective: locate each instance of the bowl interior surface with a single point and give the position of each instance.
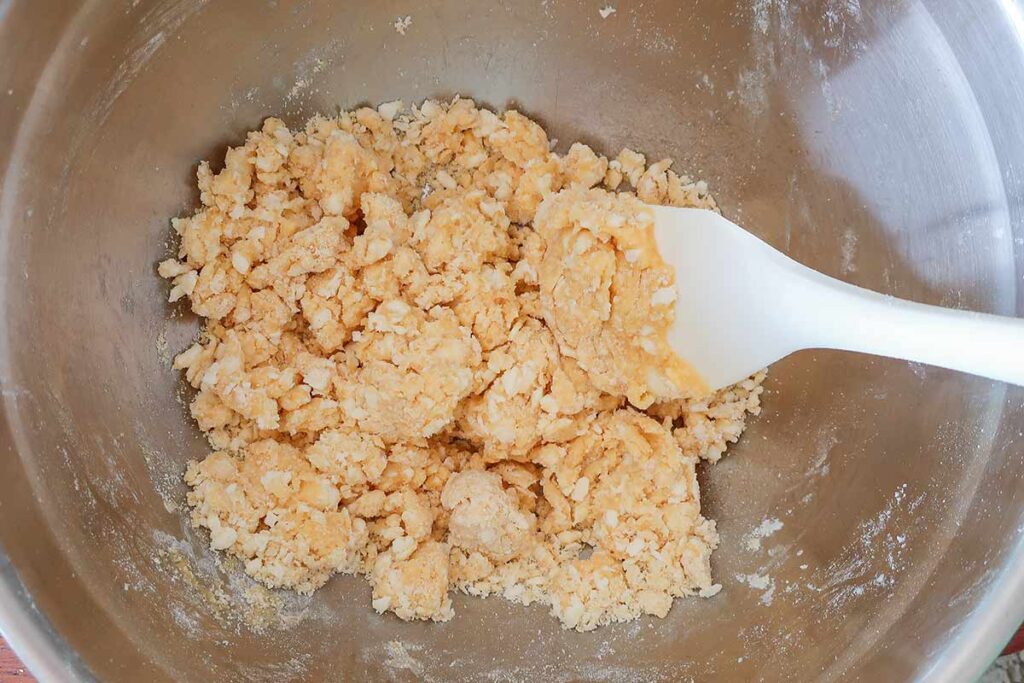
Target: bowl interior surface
(870, 140)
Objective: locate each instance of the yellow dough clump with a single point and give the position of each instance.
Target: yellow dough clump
(609, 297)
(434, 354)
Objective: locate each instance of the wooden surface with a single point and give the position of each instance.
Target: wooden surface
(10, 667)
(11, 670)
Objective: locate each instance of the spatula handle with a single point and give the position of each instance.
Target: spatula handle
(855, 319)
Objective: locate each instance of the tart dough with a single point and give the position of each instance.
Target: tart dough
(434, 355)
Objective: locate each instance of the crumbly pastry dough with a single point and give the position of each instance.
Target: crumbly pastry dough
(434, 354)
(609, 297)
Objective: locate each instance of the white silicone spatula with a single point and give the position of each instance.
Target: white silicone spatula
(742, 305)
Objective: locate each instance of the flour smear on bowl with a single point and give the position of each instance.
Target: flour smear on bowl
(434, 354)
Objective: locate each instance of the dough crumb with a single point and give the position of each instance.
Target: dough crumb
(434, 355)
(402, 24)
(606, 11)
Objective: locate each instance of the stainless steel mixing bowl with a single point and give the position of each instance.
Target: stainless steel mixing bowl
(877, 141)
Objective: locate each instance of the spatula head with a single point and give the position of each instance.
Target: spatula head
(733, 293)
